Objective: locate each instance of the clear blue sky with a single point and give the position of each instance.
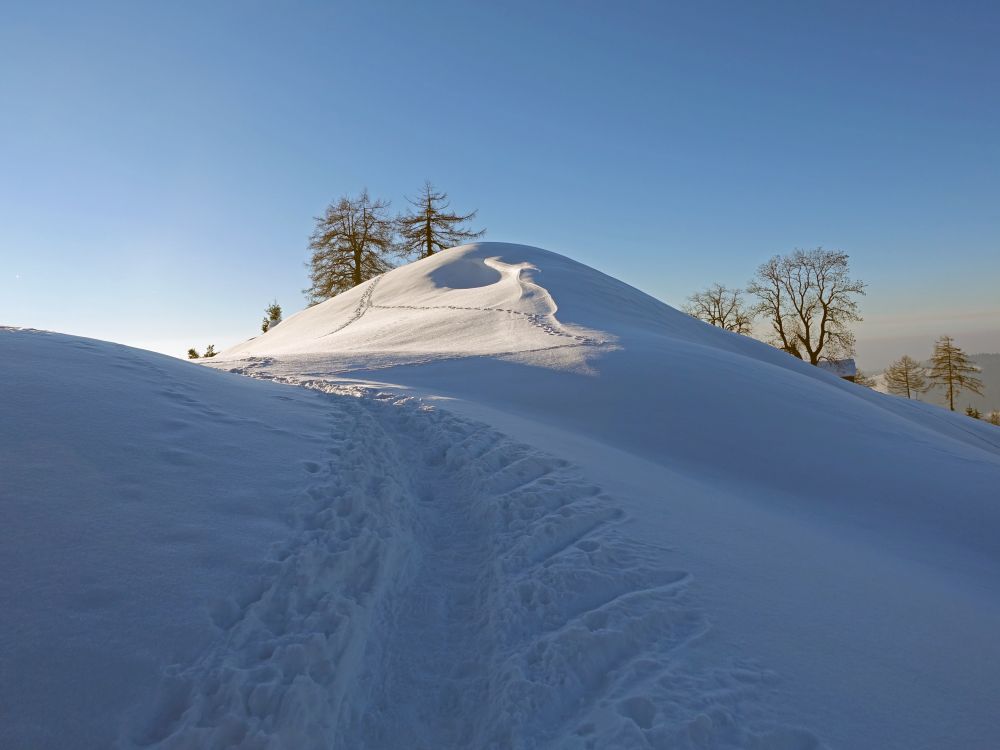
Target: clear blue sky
(161, 162)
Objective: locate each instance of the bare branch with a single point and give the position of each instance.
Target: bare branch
(430, 227)
(721, 307)
(349, 245)
(809, 300)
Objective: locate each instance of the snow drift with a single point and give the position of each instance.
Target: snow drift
(519, 504)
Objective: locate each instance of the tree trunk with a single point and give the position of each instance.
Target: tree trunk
(951, 385)
(428, 229)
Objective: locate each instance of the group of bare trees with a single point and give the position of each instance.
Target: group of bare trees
(807, 300)
(357, 238)
(949, 368)
(722, 307)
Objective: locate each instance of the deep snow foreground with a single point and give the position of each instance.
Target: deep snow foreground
(194, 559)
(718, 547)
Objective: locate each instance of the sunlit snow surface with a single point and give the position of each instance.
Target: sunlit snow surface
(517, 504)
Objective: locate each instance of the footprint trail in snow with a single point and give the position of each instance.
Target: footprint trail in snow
(450, 588)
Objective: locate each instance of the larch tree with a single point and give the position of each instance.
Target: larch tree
(810, 302)
(350, 244)
(429, 226)
(863, 379)
(905, 377)
(722, 307)
(952, 369)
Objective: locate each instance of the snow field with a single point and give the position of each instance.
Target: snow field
(136, 491)
(282, 672)
(225, 562)
(451, 588)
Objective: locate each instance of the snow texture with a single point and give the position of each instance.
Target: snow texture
(492, 499)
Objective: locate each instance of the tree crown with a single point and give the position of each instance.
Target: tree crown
(809, 299)
(722, 307)
(952, 369)
(429, 226)
(906, 377)
(349, 245)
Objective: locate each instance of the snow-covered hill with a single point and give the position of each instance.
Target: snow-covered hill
(517, 504)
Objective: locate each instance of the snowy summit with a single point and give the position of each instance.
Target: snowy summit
(490, 499)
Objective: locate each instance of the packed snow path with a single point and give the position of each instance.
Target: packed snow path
(452, 589)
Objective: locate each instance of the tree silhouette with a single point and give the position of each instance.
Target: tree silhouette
(809, 300)
(722, 307)
(350, 245)
(430, 227)
(905, 377)
(952, 369)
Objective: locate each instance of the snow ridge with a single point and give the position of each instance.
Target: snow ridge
(452, 588)
(546, 323)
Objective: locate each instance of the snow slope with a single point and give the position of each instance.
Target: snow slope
(847, 538)
(139, 493)
(194, 559)
(518, 504)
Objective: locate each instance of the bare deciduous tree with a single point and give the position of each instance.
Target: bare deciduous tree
(722, 307)
(809, 300)
(905, 377)
(952, 369)
(350, 245)
(430, 227)
(864, 379)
